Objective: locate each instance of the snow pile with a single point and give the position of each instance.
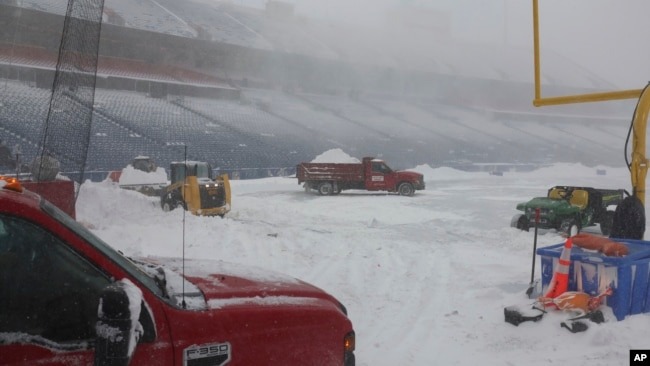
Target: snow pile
(335, 156)
(442, 173)
(131, 176)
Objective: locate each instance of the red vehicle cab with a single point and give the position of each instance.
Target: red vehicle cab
(68, 298)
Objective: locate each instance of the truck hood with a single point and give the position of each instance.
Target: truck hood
(218, 284)
(408, 173)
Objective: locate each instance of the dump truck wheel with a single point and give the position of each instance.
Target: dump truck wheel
(406, 189)
(325, 188)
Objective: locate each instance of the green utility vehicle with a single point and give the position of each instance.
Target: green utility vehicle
(569, 209)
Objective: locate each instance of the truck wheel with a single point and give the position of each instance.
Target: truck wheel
(570, 227)
(607, 222)
(520, 221)
(406, 189)
(325, 188)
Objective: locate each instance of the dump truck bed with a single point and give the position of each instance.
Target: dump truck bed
(329, 172)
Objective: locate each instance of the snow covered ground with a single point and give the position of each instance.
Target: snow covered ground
(425, 279)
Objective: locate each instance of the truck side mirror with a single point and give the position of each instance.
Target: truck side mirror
(117, 326)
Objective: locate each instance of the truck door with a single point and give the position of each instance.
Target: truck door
(379, 176)
(49, 296)
(45, 297)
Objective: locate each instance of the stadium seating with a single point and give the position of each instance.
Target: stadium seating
(269, 126)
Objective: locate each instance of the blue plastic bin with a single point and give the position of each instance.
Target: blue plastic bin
(592, 272)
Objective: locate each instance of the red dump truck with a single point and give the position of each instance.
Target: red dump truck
(68, 298)
(371, 175)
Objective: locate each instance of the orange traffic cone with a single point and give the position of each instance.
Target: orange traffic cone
(560, 281)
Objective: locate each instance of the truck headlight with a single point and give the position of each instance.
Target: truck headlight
(348, 346)
(349, 342)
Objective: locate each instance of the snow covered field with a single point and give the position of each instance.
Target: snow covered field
(425, 279)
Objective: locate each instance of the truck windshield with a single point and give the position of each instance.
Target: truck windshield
(104, 248)
(203, 171)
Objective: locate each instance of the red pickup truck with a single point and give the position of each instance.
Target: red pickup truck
(371, 174)
(68, 298)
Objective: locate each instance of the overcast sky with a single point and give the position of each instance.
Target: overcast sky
(605, 36)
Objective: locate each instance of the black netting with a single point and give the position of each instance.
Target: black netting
(66, 132)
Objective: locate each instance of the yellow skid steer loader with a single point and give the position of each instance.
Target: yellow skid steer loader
(194, 188)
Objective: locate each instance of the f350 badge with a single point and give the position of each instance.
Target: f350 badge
(215, 354)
